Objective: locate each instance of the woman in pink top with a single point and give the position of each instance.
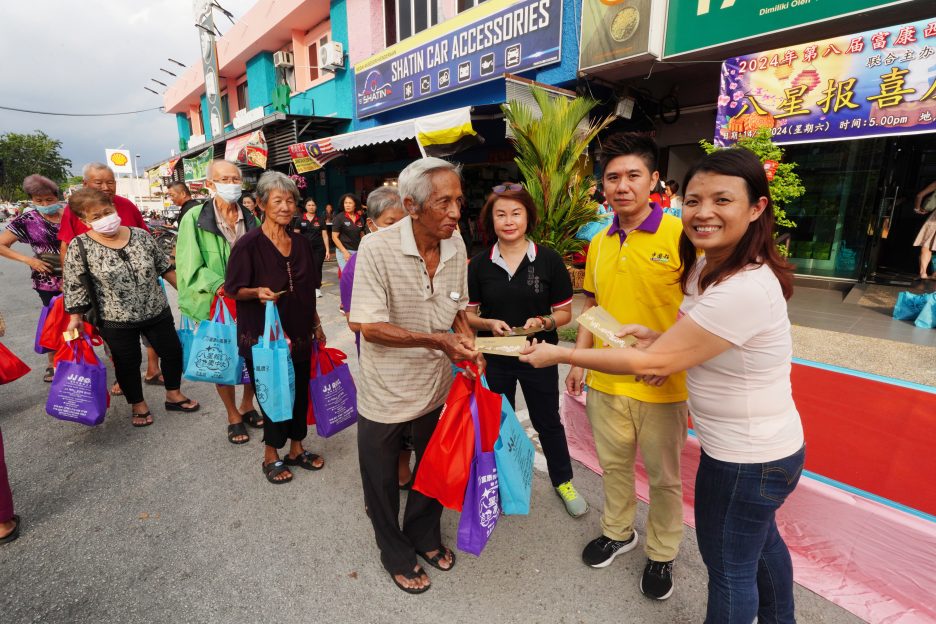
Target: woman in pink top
(733, 339)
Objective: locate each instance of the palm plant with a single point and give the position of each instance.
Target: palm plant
(550, 151)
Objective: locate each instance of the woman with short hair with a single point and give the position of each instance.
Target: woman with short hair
(116, 268)
(39, 229)
(272, 263)
(733, 339)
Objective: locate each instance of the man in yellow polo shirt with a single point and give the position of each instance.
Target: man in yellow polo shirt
(632, 271)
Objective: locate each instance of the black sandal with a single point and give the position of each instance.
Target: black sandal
(12, 535)
(49, 375)
(274, 469)
(304, 460)
(253, 419)
(410, 576)
(439, 556)
(155, 380)
(236, 430)
(147, 419)
(179, 406)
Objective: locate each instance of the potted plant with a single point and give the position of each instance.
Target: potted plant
(551, 154)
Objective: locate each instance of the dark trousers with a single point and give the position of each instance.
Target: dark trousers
(749, 568)
(379, 452)
(541, 390)
(124, 345)
(276, 434)
(318, 256)
(6, 495)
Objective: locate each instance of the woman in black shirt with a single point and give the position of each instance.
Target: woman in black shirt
(313, 229)
(347, 229)
(516, 283)
(271, 263)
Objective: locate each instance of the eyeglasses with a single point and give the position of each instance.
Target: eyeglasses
(501, 188)
(228, 180)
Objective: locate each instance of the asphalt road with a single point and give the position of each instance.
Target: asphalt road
(173, 524)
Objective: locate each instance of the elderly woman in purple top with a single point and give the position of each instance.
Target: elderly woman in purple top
(38, 228)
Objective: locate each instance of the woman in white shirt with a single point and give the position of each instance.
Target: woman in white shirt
(733, 338)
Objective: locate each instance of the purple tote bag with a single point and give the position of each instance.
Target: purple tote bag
(334, 397)
(482, 500)
(79, 391)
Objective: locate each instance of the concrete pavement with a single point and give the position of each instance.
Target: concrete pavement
(173, 524)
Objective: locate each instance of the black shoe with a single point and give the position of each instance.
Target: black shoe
(601, 552)
(657, 581)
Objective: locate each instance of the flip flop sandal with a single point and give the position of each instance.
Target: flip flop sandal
(154, 380)
(144, 416)
(117, 392)
(411, 576)
(253, 418)
(49, 375)
(439, 556)
(14, 533)
(273, 470)
(179, 406)
(304, 460)
(237, 430)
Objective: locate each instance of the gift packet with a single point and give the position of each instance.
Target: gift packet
(501, 345)
(599, 322)
(520, 331)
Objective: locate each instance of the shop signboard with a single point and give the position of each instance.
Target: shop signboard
(119, 160)
(876, 83)
(693, 25)
(249, 149)
(477, 45)
(617, 30)
(196, 167)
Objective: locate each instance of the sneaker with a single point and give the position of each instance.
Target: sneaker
(574, 504)
(601, 552)
(318, 293)
(657, 581)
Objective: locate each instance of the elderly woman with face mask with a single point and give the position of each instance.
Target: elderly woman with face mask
(122, 265)
(273, 263)
(39, 229)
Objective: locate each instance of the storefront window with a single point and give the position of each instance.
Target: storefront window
(832, 217)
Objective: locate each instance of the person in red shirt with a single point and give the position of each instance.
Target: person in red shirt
(100, 176)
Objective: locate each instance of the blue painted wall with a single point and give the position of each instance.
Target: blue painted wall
(185, 128)
(261, 78)
(206, 121)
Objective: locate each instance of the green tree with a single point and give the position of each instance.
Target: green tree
(786, 184)
(550, 155)
(25, 154)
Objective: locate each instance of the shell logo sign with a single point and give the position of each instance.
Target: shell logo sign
(119, 160)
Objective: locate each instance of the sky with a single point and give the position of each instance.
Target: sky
(95, 56)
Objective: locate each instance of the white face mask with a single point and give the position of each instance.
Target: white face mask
(228, 192)
(107, 225)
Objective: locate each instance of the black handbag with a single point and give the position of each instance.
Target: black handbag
(93, 315)
(54, 260)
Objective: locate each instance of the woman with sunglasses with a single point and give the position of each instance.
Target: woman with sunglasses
(116, 267)
(518, 284)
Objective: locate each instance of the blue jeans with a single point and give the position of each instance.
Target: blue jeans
(749, 567)
(340, 257)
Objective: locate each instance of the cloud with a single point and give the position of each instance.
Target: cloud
(96, 56)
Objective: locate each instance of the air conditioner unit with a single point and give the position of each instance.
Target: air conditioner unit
(282, 59)
(331, 56)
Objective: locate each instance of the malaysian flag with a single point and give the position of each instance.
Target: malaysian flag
(322, 150)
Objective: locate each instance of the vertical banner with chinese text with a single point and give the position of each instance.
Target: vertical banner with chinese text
(876, 83)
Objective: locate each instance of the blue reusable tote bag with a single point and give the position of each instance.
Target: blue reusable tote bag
(186, 334)
(214, 358)
(513, 453)
(909, 305)
(273, 372)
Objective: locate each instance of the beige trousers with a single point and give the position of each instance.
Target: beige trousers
(621, 425)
